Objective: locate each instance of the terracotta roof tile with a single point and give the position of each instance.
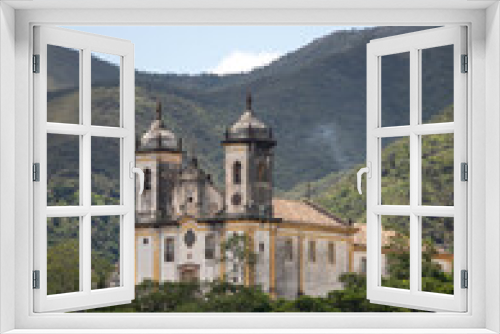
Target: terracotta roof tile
(303, 212)
(360, 237)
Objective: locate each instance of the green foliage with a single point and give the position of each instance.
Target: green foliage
(101, 270)
(225, 297)
(222, 296)
(63, 274)
(236, 249)
(343, 199)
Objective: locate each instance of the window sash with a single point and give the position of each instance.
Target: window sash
(85, 297)
(413, 43)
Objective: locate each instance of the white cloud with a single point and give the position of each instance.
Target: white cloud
(238, 61)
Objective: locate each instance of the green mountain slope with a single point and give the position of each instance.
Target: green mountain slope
(342, 197)
(314, 98)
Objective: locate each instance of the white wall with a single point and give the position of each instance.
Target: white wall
(145, 256)
(263, 259)
(492, 163)
(321, 276)
(7, 170)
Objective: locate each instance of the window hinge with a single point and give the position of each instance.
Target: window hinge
(36, 279)
(36, 172)
(465, 279)
(464, 171)
(465, 63)
(36, 63)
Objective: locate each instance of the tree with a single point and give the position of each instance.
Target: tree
(102, 267)
(63, 272)
(237, 251)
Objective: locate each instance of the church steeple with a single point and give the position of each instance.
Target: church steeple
(158, 137)
(248, 165)
(249, 127)
(159, 154)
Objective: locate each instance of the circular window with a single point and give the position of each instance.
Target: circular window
(189, 238)
(236, 199)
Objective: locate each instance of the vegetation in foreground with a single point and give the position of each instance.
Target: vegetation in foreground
(222, 296)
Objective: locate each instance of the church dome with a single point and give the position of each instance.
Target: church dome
(158, 137)
(249, 126)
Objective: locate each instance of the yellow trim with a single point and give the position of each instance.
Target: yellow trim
(222, 263)
(156, 256)
(143, 232)
(250, 233)
(235, 144)
(320, 228)
(359, 248)
(272, 262)
(159, 156)
(351, 257)
(312, 235)
(135, 259)
(238, 228)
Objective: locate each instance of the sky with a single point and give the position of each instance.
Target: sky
(210, 49)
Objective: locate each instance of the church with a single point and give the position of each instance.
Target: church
(184, 222)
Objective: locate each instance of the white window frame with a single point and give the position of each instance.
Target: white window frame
(414, 43)
(86, 297)
(484, 211)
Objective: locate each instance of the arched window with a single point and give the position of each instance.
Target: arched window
(147, 179)
(237, 172)
(262, 172)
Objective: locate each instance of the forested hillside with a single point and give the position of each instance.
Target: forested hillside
(342, 198)
(314, 98)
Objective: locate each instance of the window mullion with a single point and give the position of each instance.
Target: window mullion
(85, 167)
(414, 170)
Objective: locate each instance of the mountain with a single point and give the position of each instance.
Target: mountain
(314, 98)
(343, 199)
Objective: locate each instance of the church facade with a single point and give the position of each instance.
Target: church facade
(184, 222)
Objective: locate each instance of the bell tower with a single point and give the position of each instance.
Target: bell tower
(159, 155)
(248, 148)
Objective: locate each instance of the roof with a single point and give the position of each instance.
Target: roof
(158, 137)
(248, 120)
(360, 237)
(249, 126)
(295, 211)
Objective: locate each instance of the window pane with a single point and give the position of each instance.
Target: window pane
(437, 169)
(395, 252)
(288, 250)
(312, 251)
(210, 247)
(63, 176)
(105, 171)
(395, 80)
(63, 76)
(105, 252)
(437, 84)
(105, 92)
(169, 249)
(395, 178)
(331, 252)
(63, 255)
(437, 254)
